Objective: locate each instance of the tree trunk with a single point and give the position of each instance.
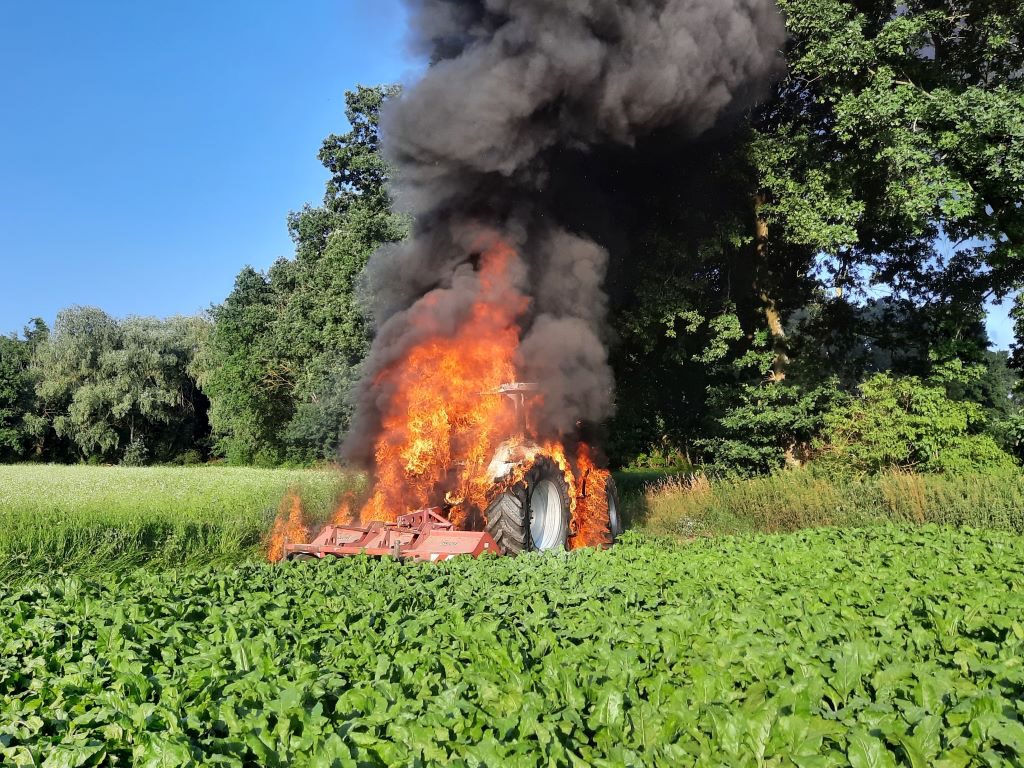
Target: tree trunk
(762, 288)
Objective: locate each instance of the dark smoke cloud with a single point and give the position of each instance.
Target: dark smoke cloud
(479, 144)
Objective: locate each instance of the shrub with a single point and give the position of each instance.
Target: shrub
(190, 458)
(136, 454)
(911, 424)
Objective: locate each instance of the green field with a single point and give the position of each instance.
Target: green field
(877, 647)
(139, 626)
(79, 518)
(82, 519)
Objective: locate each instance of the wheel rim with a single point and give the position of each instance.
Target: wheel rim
(547, 518)
(613, 515)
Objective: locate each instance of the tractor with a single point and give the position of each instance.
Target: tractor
(530, 510)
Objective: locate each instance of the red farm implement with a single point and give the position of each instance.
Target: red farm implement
(425, 535)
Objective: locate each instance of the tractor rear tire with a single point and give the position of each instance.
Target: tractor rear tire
(532, 515)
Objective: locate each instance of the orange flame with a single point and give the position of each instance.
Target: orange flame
(443, 420)
(343, 514)
(590, 517)
(440, 429)
(588, 496)
(289, 527)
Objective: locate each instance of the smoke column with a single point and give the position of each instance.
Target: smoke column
(493, 145)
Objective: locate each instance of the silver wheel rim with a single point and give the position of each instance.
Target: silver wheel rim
(613, 515)
(546, 517)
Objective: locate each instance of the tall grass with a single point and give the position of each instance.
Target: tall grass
(797, 499)
(104, 518)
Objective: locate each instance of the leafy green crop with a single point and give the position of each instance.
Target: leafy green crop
(877, 647)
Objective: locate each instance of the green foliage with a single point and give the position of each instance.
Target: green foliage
(285, 344)
(683, 299)
(898, 127)
(875, 647)
(898, 121)
(135, 455)
(110, 386)
(762, 424)
(242, 376)
(17, 391)
(359, 174)
(908, 423)
(190, 458)
(68, 519)
(661, 459)
(764, 427)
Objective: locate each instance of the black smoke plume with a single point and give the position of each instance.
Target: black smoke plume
(522, 99)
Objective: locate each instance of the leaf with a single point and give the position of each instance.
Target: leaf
(1010, 734)
(865, 751)
(165, 751)
(72, 755)
(925, 743)
(608, 709)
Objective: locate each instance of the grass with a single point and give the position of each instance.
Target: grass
(634, 481)
(78, 518)
(798, 499)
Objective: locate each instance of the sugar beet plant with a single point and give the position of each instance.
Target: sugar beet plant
(878, 647)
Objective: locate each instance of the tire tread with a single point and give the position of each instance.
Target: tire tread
(508, 514)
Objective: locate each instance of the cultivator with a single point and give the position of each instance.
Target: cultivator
(425, 535)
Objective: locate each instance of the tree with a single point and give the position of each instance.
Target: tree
(898, 124)
(285, 344)
(17, 391)
(912, 424)
(897, 128)
(113, 387)
(247, 383)
(359, 173)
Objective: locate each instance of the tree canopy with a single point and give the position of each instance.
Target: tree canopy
(889, 162)
(285, 344)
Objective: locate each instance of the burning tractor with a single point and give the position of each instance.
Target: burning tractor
(536, 500)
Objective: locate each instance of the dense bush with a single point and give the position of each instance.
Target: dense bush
(908, 423)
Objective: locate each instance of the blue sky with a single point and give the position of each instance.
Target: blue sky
(150, 150)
